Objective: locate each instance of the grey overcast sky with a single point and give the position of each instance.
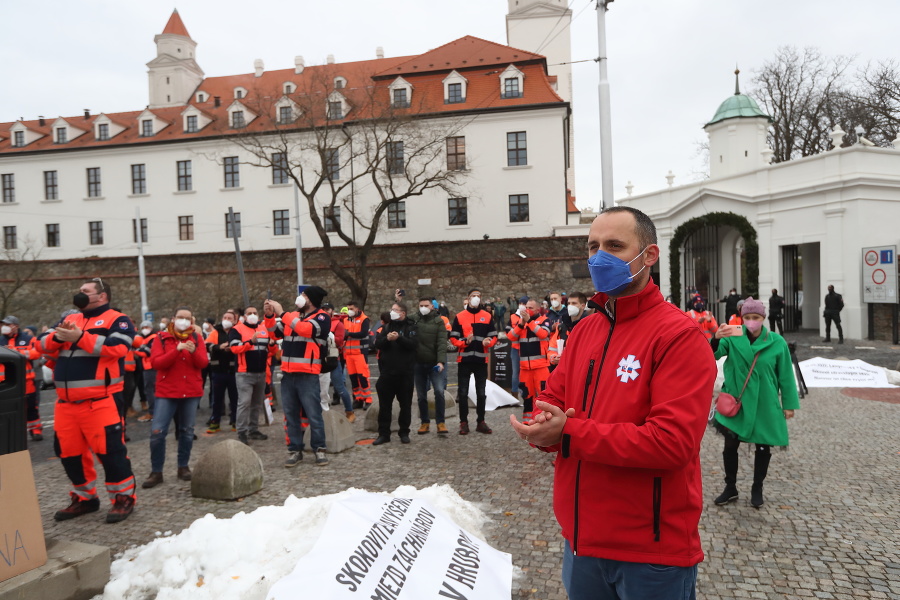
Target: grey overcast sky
(671, 62)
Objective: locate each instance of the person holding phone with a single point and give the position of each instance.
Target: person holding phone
(768, 396)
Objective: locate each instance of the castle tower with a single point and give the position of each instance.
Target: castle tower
(737, 135)
(174, 74)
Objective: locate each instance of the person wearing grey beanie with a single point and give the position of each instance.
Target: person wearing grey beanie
(760, 374)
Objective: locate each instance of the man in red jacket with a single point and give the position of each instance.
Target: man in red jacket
(625, 410)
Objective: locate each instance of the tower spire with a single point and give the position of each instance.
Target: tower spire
(737, 83)
(175, 26)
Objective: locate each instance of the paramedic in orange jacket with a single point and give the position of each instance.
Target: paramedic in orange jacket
(356, 354)
(90, 347)
(252, 344)
(473, 334)
(705, 319)
(532, 331)
(23, 342)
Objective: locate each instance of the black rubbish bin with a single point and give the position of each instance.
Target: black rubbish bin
(12, 402)
(501, 364)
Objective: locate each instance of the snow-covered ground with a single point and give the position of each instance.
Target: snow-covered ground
(242, 557)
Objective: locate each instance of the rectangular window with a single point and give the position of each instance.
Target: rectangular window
(237, 119)
(511, 88)
(456, 153)
(279, 168)
(138, 179)
(185, 179)
(51, 185)
(232, 172)
(285, 115)
(332, 164)
(95, 230)
(9, 237)
(19, 139)
(93, 182)
(53, 235)
(185, 228)
(454, 93)
(231, 227)
(134, 230)
(516, 149)
(397, 215)
(335, 110)
(281, 222)
(518, 208)
(147, 128)
(61, 135)
(400, 99)
(331, 218)
(191, 124)
(458, 211)
(103, 132)
(9, 187)
(395, 158)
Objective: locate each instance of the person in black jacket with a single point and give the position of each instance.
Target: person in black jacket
(834, 303)
(776, 312)
(731, 301)
(396, 343)
(222, 372)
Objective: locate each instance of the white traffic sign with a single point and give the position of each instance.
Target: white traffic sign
(879, 274)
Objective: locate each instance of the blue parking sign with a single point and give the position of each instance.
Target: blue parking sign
(887, 257)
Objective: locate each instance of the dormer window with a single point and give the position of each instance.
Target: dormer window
(454, 88)
(400, 100)
(190, 124)
(201, 97)
(61, 135)
(240, 93)
(147, 128)
(103, 132)
(289, 88)
(335, 111)
(18, 139)
(285, 114)
(340, 83)
(511, 82)
(237, 119)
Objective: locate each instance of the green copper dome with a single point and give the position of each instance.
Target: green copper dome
(738, 106)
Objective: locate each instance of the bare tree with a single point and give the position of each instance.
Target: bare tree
(879, 99)
(18, 266)
(349, 151)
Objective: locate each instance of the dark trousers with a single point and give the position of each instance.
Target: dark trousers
(776, 322)
(390, 386)
(219, 384)
(139, 383)
(479, 370)
(836, 317)
(130, 389)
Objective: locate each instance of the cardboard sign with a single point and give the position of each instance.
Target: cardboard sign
(824, 372)
(396, 549)
(22, 545)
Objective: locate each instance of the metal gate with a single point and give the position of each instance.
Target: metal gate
(701, 269)
(792, 286)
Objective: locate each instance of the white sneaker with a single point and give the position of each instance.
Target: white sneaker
(321, 459)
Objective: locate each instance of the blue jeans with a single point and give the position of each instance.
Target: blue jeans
(425, 373)
(514, 359)
(162, 415)
(337, 380)
(588, 578)
(300, 391)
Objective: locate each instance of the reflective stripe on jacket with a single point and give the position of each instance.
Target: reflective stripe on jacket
(357, 338)
(533, 342)
(303, 340)
(480, 326)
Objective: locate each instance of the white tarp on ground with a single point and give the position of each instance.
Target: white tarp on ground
(824, 372)
(497, 397)
(242, 557)
(396, 549)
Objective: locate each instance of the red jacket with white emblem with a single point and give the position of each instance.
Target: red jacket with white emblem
(628, 482)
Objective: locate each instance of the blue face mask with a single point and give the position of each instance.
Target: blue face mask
(610, 274)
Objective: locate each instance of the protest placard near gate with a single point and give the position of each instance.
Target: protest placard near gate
(824, 372)
(375, 546)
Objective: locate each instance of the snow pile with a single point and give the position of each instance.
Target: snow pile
(242, 557)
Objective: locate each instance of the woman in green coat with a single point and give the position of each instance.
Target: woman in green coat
(768, 401)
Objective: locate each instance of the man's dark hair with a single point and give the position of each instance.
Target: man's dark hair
(425, 299)
(353, 303)
(385, 317)
(643, 226)
(102, 287)
(402, 307)
(187, 308)
(473, 290)
(582, 299)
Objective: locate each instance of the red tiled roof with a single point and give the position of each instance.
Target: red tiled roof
(570, 203)
(175, 26)
(365, 80)
(466, 52)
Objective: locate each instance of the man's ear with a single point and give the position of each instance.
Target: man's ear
(652, 255)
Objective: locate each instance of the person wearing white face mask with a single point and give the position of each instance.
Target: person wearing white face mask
(557, 315)
(144, 347)
(252, 344)
(222, 372)
(179, 356)
(474, 335)
(431, 362)
(23, 342)
(396, 344)
(576, 310)
(356, 354)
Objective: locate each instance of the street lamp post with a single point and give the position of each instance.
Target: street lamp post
(606, 164)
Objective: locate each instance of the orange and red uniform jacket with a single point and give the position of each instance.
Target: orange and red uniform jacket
(356, 340)
(251, 357)
(479, 324)
(143, 349)
(533, 338)
(89, 368)
(26, 344)
(303, 340)
(706, 321)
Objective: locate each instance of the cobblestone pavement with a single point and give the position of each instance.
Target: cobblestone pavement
(829, 529)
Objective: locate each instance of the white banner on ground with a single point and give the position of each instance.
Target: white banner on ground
(496, 396)
(382, 548)
(824, 372)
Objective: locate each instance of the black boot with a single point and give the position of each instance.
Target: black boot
(730, 460)
(760, 469)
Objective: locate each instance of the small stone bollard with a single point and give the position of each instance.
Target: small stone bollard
(227, 471)
(450, 410)
(339, 434)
